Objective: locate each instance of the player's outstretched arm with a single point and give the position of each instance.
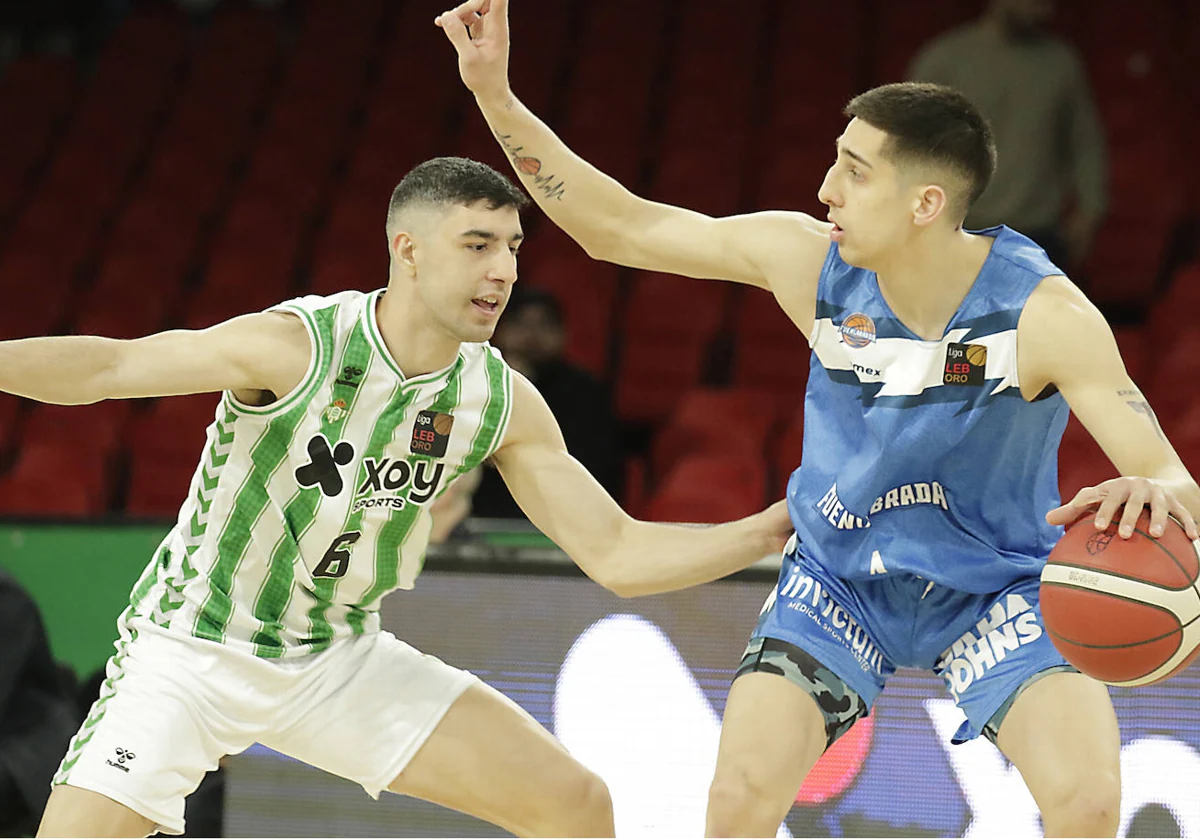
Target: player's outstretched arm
(621, 553)
(611, 223)
(1066, 342)
(267, 351)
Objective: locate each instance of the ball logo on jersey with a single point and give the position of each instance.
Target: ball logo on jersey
(431, 433)
(858, 330)
(965, 364)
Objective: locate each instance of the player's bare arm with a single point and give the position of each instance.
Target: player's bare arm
(259, 357)
(779, 251)
(623, 554)
(1065, 342)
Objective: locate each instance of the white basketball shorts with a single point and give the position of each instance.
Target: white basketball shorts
(173, 706)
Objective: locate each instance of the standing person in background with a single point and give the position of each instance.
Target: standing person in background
(531, 335)
(37, 712)
(1033, 89)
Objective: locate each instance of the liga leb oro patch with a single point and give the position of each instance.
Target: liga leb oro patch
(431, 433)
(966, 364)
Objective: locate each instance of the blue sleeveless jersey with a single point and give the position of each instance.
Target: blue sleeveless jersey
(922, 457)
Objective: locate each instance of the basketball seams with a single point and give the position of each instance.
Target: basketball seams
(1128, 600)
(1186, 574)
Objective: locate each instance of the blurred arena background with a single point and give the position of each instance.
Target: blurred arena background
(170, 165)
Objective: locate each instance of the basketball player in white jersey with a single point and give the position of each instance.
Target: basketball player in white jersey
(340, 420)
(929, 440)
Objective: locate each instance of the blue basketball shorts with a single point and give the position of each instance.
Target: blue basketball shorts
(855, 633)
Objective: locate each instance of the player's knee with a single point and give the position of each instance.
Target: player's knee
(740, 805)
(582, 808)
(1090, 807)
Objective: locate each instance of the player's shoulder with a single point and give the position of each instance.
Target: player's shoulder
(789, 241)
(1057, 308)
(314, 303)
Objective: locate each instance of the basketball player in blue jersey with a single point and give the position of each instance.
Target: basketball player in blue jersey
(943, 365)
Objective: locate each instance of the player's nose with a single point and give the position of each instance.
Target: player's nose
(504, 270)
(826, 194)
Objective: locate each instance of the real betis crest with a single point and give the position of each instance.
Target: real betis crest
(335, 411)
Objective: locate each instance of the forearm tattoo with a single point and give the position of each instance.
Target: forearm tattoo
(550, 186)
(1143, 407)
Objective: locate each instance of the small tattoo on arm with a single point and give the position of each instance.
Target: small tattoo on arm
(1143, 407)
(550, 185)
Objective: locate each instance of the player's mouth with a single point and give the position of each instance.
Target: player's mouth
(489, 304)
(837, 233)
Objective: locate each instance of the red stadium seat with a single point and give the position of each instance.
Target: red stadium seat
(788, 450)
(165, 445)
(769, 350)
(159, 486)
(336, 271)
(655, 372)
(709, 488)
(173, 426)
(10, 408)
(56, 478)
(98, 425)
(717, 422)
(669, 305)
(1081, 461)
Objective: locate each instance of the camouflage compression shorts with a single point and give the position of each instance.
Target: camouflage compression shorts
(840, 704)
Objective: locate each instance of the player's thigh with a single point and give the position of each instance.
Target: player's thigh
(784, 709)
(166, 714)
(490, 758)
(366, 707)
(76, 812)
(1061, 734)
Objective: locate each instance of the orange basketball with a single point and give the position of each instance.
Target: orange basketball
(1123, 611)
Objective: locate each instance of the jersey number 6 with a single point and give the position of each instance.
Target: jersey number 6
(336, 561)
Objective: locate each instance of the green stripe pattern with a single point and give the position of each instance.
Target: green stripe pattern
(268, 453)
(301, 511)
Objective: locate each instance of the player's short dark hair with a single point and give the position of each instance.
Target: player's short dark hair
(455, 181)
(928, 123)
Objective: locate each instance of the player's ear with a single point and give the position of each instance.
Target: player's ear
(929, 204)
(403, 248)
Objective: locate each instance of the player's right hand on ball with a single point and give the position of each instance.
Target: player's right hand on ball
(478, 29)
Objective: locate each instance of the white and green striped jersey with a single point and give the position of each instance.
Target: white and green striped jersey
(303, 514)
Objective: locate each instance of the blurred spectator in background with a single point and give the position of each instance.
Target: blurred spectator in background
(531, 337)
(38, 715)
(1032, 87)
